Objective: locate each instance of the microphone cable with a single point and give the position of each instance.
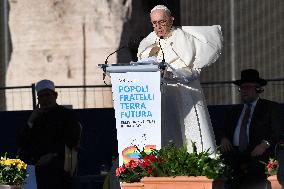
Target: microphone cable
(162, 64)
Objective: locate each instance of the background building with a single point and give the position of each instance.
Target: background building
(253, 38)
(66, 40)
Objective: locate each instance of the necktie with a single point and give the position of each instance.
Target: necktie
(243, 138)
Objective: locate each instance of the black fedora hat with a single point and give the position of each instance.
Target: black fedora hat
(250, 76)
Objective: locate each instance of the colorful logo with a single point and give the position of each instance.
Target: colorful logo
(131, 152)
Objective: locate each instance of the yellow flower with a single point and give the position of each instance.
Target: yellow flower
(16, 172)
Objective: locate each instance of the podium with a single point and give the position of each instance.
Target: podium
(137, 103)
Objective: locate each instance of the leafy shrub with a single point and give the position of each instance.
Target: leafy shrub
(171, 161)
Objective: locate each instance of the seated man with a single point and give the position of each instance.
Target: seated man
(251, 132)
(49, 130)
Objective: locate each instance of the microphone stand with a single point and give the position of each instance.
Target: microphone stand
(162, 64)
(106, 61)
(131, 43)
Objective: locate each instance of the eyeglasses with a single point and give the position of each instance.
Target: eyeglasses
(247, 87)
(160, 22)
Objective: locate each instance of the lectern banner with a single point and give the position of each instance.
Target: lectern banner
(137, 104)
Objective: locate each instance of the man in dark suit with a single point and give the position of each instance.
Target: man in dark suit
(50, 129)
(250, 133)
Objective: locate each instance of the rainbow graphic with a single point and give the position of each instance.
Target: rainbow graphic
(131, 152)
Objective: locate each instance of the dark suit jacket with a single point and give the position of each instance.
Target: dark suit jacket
(266, 123)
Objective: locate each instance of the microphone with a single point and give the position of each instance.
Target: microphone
(128, 45)
(162, 64)
(162, 49)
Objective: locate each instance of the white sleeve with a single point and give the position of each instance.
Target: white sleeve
(208, 42)
(184, 47)
(186, 74)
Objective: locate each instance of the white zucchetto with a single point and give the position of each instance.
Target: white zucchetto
(161, 7)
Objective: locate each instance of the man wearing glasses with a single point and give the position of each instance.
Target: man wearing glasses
(251, 131)
(184, 112)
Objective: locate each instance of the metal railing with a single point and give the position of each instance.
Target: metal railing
(77, 97)
(100, 96)
(225, 92)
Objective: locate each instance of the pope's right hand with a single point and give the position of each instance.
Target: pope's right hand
(226, 145)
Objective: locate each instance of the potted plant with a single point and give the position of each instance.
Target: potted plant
(174, 166)
(271, 169)
(13, 172)
(274, 167)
(130, 174)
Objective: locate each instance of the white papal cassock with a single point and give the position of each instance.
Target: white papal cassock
(185, 117)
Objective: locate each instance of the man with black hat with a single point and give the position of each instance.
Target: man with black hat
(50, 129)
(250, 133)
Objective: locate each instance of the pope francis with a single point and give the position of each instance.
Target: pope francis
(186, 50)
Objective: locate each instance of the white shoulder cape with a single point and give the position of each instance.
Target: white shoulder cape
(197, 45)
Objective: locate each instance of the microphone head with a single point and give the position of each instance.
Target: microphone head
(161, 37)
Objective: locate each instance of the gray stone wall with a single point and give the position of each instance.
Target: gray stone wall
(65, 41)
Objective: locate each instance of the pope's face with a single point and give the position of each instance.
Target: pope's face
(161, 22)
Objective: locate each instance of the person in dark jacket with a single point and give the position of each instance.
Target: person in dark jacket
(250, 132)
(50, 128)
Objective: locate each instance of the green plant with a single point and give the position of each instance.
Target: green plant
(171, 161)
(271, 167)
(12, 171)
(130, 172)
